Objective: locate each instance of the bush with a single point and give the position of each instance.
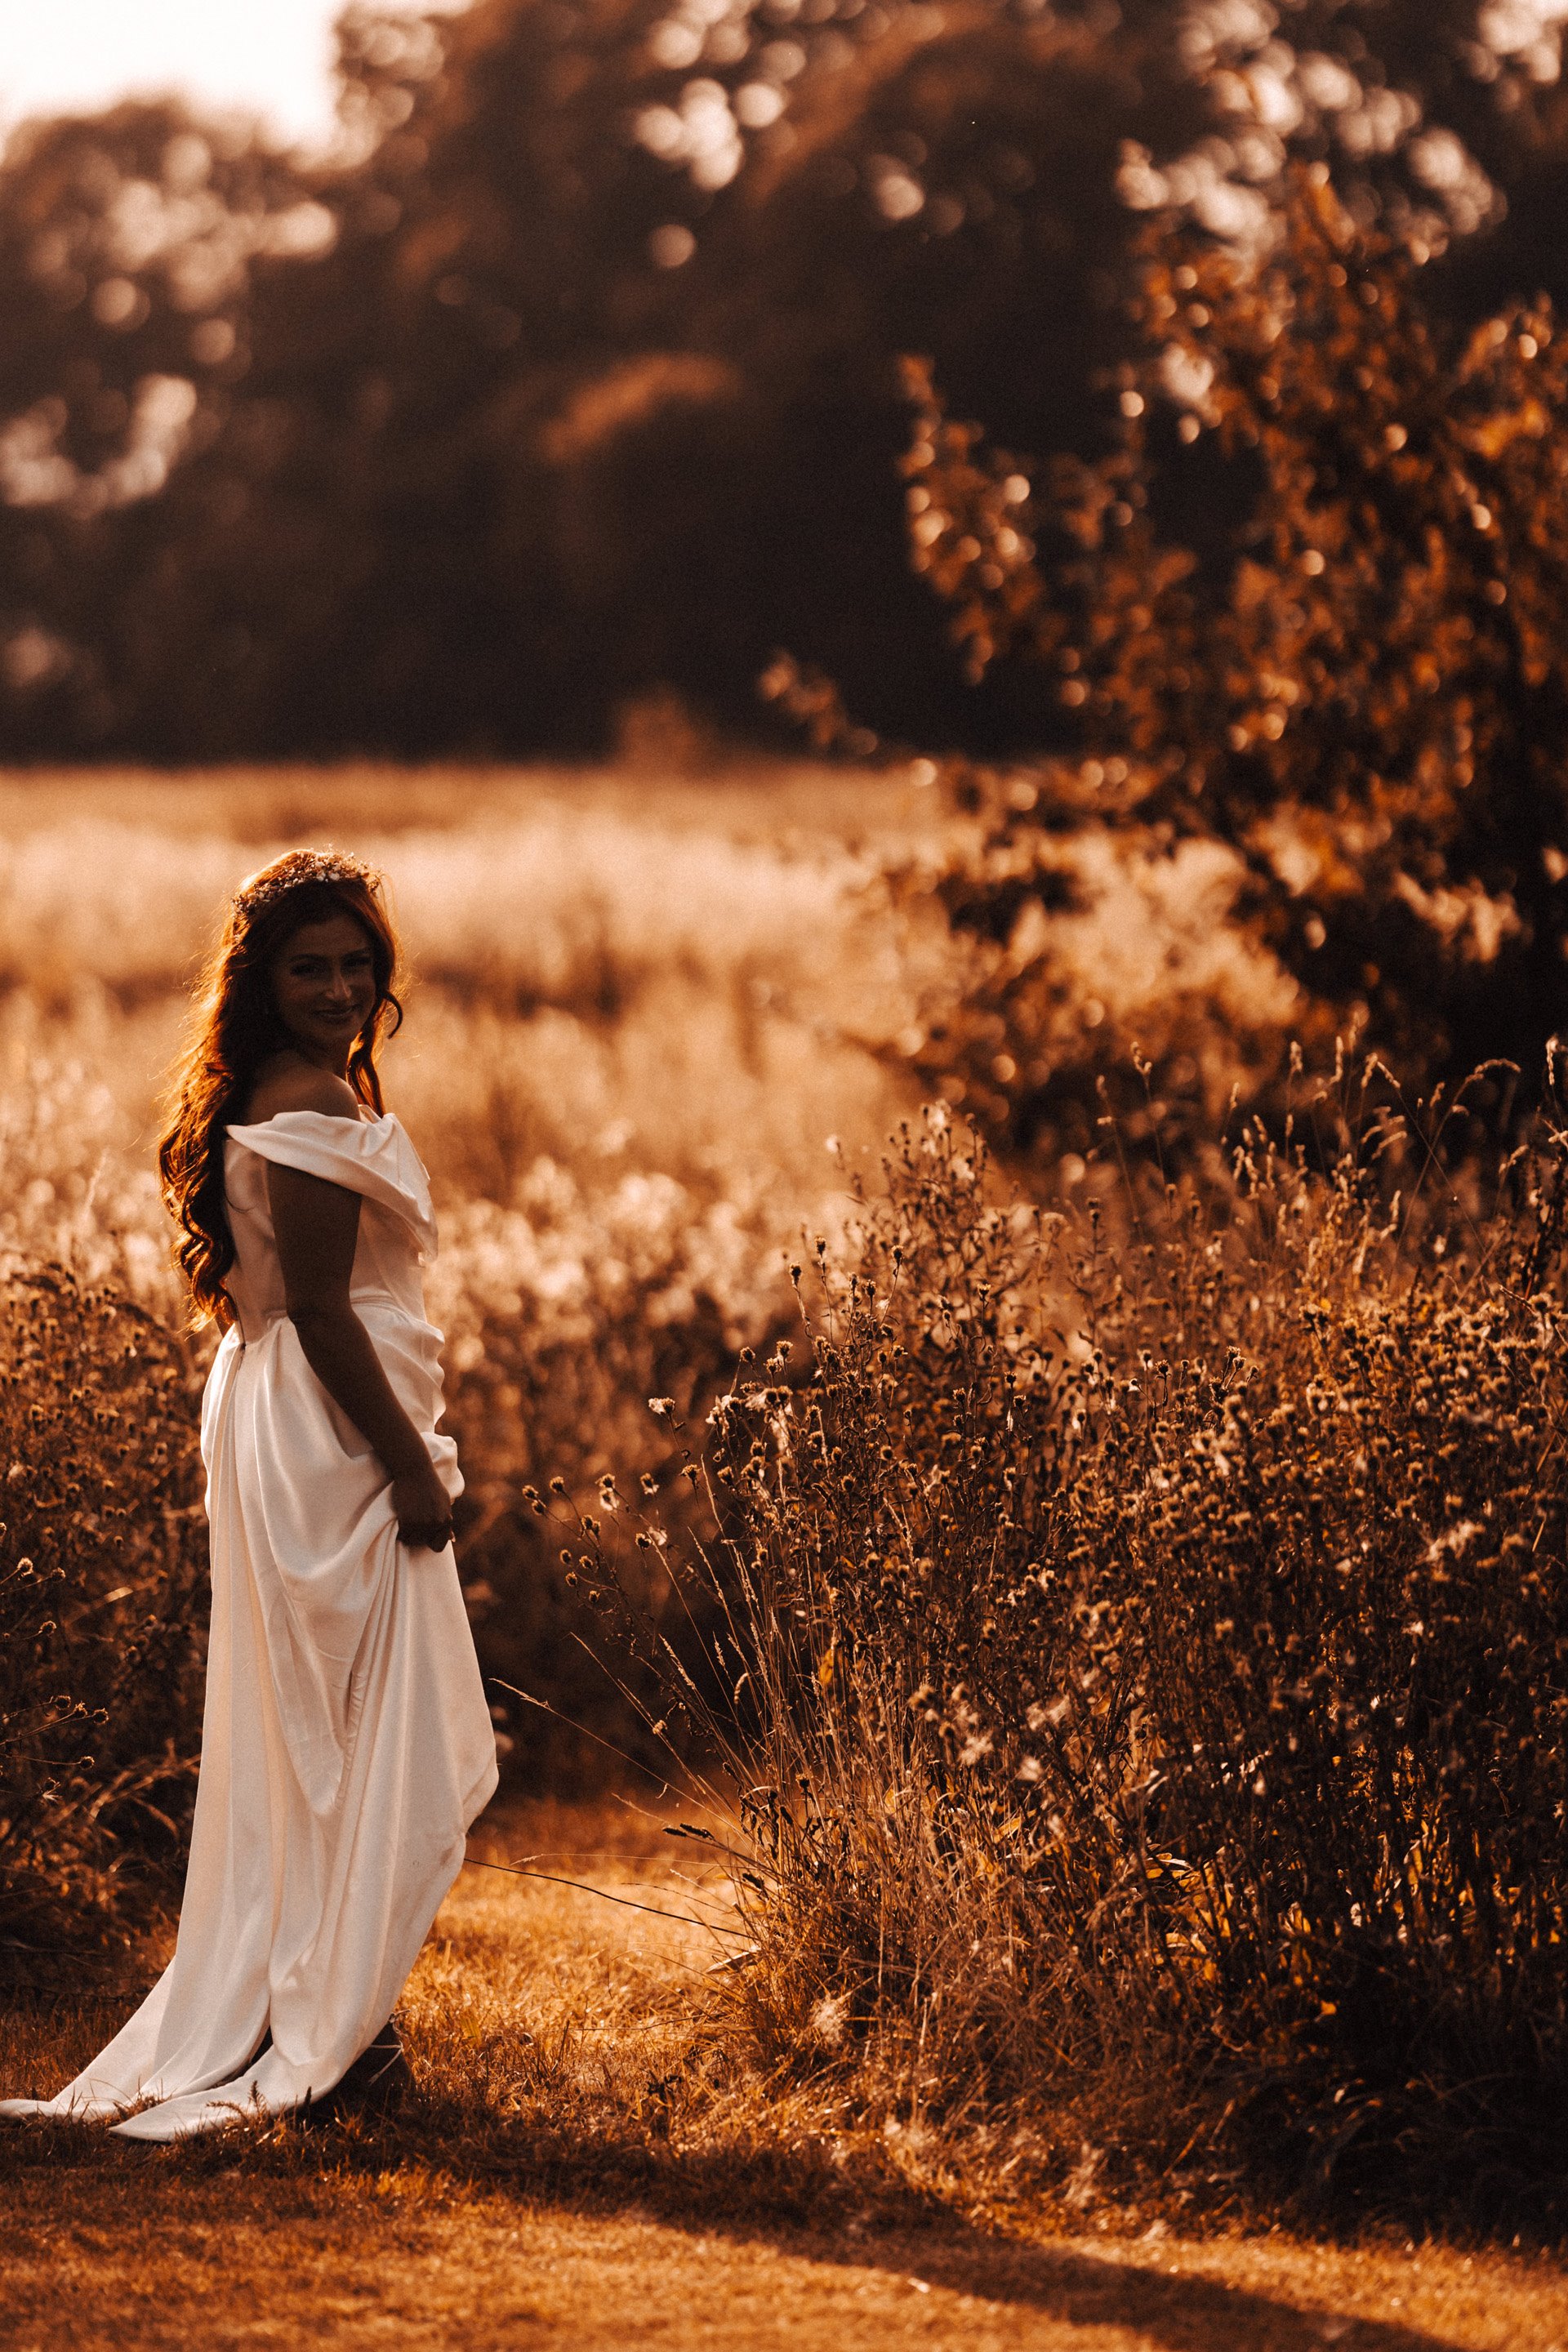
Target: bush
(102, 1618)
(1303, 612)
(1149, 1659)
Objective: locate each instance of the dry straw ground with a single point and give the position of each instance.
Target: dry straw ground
(570, 2172)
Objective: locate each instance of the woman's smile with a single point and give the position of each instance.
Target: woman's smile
(324, 984)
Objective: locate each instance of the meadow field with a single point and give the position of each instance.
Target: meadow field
(1092, 1634)
(639, 1007)
(661, 1019)
(615, 974)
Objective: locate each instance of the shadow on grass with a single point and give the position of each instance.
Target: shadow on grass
(796, 2200)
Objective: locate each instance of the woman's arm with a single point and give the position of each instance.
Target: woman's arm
(317, 1225)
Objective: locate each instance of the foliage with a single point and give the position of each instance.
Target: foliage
(129, 249)
(573, 372)
(1356, 682)
(1149, 1662)
(103, 1566)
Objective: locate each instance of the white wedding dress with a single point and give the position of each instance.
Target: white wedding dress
(347, 1744)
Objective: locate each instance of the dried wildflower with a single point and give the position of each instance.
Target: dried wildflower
(111, 1536)
(827, 2020)
(1176, 1602)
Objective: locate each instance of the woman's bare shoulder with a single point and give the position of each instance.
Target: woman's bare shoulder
(288, 1084)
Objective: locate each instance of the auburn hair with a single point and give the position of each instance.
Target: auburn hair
(236, 1026)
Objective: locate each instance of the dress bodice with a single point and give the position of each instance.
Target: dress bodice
(372, 1156)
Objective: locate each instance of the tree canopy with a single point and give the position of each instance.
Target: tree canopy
(575, 370)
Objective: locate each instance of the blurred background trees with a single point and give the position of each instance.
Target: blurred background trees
(1348, 679)
(574, 372)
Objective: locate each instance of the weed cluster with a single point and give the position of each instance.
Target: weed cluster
(102, 1622)
(563, 1314)
(1144, 1659)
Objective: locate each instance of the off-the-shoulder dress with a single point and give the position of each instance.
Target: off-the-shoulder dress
(346, 1745)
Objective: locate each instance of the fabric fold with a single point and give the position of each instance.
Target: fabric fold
(372, 1156)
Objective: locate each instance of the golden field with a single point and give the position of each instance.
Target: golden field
(929, 2108)
(615, 975)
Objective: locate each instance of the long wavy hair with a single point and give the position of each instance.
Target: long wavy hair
(236, 1026)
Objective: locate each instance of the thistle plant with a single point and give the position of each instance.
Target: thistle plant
(1138, 1640)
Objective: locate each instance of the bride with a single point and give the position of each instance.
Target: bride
(346, 1745)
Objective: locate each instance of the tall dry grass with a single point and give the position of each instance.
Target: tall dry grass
(101, 1619)
(1140, 1652)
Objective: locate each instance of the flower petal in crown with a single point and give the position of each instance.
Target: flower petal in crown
(292, 872)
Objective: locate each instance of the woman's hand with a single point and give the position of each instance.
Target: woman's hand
(424, 1510)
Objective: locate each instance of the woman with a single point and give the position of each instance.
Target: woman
(347, 1745)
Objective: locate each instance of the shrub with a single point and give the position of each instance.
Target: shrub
(102, 1617)
(1303, 610)
(1145, 1662)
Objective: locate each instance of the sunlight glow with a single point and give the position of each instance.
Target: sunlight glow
(272, 59)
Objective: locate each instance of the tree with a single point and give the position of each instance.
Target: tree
(575, 372)
(127, 244)
(1363, 691)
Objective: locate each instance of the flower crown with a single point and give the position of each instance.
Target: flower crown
(293, 872)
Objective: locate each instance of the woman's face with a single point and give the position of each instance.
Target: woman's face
(324, 984)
